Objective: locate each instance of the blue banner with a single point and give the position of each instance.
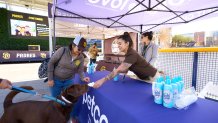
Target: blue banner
(22, 56)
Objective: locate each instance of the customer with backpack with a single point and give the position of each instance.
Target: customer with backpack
(70, 61)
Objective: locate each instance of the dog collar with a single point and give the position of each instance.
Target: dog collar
(62, 97)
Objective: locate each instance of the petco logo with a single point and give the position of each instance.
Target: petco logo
(95, 110)
(129, 4)
(111, 4)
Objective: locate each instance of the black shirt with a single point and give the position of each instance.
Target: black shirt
(144, 50)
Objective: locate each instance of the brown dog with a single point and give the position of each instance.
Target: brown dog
(42, 111)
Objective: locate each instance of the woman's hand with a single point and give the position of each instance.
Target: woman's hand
(5, 84)
(99, 83)
(50, 83)
(86, 79)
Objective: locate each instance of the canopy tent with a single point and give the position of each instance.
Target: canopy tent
(134, 15)
(69, 29)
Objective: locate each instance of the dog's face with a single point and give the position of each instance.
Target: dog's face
(76, 90)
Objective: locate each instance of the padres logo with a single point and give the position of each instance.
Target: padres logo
(6, 55)
(84, 44)
(43, 55)
(77, 62)
(102, 68)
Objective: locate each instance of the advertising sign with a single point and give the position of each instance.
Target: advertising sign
(28, 25)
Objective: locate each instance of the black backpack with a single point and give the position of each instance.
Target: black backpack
(43, 68)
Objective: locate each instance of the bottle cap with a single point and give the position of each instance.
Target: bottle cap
(168, 81)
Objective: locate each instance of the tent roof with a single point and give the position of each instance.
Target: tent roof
(69, 29)
(135, 15)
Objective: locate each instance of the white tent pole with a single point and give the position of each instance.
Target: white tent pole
(138, 42)
(139, 35)
(52, 45)
(50, 36)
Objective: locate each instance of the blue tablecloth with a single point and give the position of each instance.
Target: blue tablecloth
(131, 101)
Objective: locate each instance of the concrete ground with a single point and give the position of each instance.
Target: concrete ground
(22, 75)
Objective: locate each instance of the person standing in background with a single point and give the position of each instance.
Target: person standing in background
(148, 49)
(93, 52)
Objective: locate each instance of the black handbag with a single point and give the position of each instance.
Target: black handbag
(43, 68)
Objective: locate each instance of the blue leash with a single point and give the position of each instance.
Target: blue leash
(37, 94)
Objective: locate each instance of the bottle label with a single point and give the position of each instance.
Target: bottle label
(157, 93)
(167, 97)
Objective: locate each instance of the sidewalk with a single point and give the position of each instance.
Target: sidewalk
(22, 75)
(38, 86)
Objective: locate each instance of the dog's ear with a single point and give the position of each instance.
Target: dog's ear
(77, 90)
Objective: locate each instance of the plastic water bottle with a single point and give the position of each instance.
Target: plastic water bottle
(90, 69)
(178, 84)
(168, 94)
(175, 89)
(153, 83)
(94, 68)
(116, 77)
(158, 90)
(181, 82)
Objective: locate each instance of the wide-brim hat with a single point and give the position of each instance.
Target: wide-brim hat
(80, 42)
